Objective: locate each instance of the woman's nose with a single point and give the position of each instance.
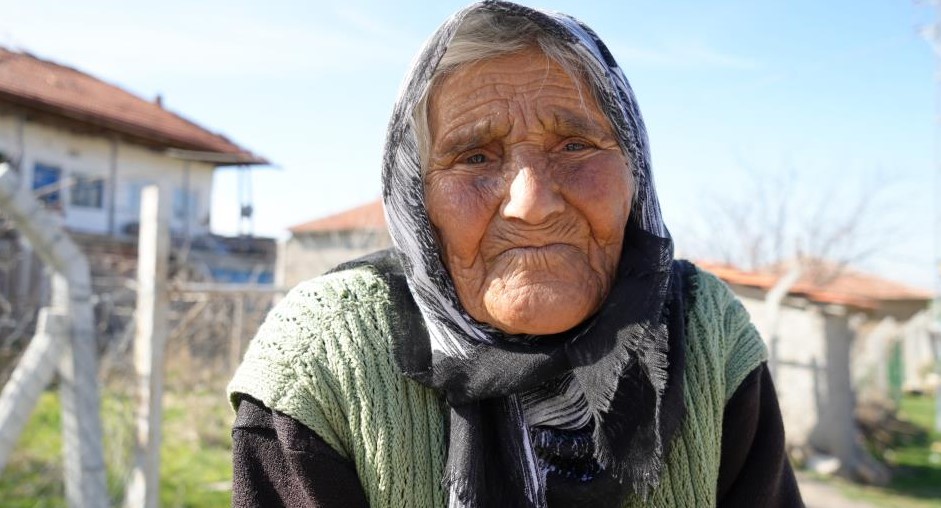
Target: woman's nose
(533, 196)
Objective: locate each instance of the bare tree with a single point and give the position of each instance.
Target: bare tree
(780, 218)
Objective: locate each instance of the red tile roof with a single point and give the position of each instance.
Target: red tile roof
(848, 287)
(55, 89)
(364, 217)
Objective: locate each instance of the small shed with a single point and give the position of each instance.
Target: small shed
(320, 244)
(843, 338)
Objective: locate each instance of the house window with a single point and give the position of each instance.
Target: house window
(87, 192)
(183, 207)
(46, 179)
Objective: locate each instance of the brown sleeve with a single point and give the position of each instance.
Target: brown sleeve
(279, 462)
(755, 470)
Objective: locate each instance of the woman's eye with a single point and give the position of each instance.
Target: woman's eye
(575, 146)
(477, 158)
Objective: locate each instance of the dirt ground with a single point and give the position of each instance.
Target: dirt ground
(817, 494)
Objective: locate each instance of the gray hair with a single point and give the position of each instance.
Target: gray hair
(486, 34)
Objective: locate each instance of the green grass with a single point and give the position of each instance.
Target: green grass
(916, 479)
(32, 477)
(195, 456)
(196, 467)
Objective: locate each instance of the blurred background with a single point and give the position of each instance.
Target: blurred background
(795, 152)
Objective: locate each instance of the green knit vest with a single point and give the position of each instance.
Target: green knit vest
(324, 357)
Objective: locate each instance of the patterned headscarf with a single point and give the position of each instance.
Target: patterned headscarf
(499, 390)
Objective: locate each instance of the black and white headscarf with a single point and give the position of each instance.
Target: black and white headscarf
(521, 406)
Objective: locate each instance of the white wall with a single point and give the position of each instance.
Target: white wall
(91, 156)
(304, 256)
(800, 375)
(807, 373)
(918, 354)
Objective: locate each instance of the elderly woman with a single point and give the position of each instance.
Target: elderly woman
(530, 341)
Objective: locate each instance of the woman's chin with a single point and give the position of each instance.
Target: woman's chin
(540, 311)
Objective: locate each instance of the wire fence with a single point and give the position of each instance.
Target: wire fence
(208, 332)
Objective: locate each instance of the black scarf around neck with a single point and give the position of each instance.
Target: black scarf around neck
(485, 445)
(619, 360)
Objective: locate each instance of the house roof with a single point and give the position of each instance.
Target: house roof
(369, 217)
(849, 287)
(55, 89)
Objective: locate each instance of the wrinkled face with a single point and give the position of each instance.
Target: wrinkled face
(528, 190)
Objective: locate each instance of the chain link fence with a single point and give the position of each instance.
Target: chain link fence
(208, 331)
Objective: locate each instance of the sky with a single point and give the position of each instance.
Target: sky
(829, 104)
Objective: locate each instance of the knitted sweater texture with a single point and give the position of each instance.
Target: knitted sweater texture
(324, 357)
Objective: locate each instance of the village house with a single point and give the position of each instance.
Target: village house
(87, 148)
(843, 338)
(320, 244)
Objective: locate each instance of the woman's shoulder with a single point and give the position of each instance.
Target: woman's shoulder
(324, 357)
(718, 321)
(337, 292)
(321, 331)
(715, 301)
(709, 290)
(348, 308)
